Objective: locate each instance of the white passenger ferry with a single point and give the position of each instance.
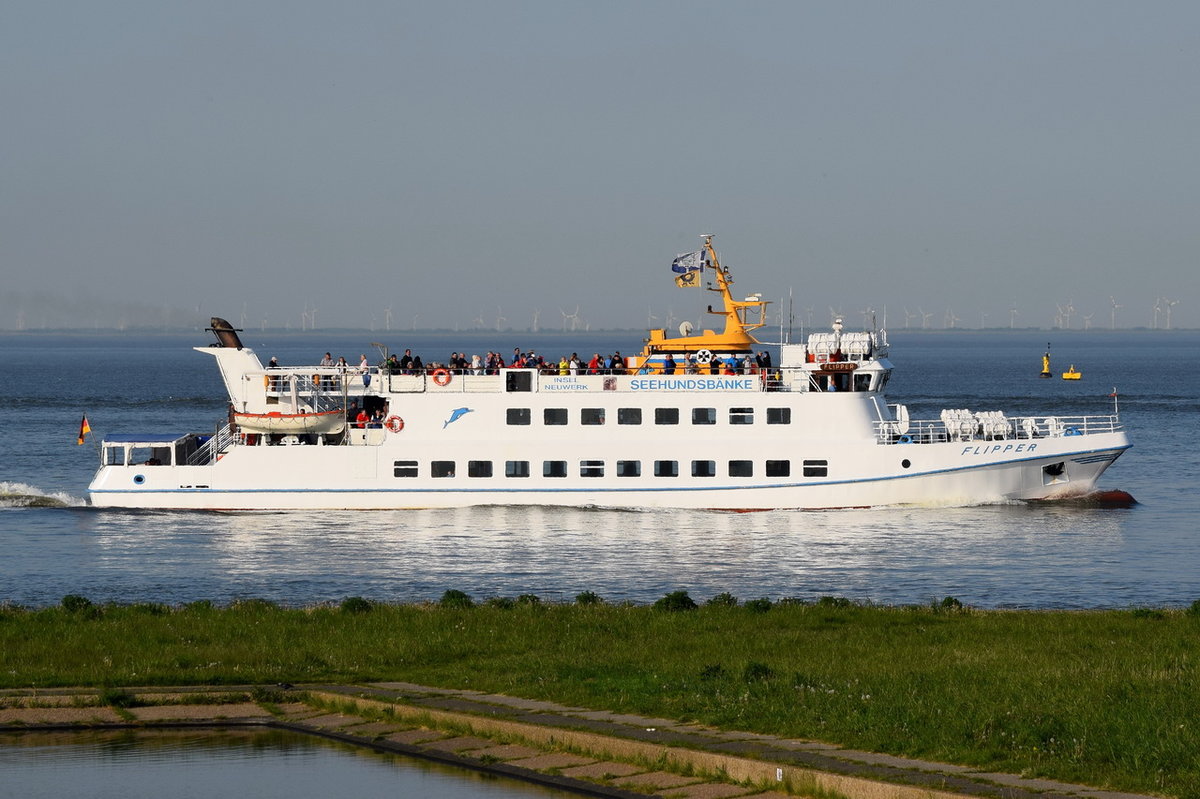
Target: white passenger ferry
(713, 419)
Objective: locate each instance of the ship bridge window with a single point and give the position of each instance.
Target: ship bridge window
(629, 468)
(704, 415)
(704, 468)
(779, 415)
(591, 468)
(741, 468)
(666, 468)
(441, 469)
(816, 468)
(741, 416)
(666, 416)
(554, 468)
(516, 468)
(518, 416)
(114, 456)
(779, 468)
(554, 416)
(629, 415)
(404, 468)
(862, 381)
(591, 416)
(479, 468)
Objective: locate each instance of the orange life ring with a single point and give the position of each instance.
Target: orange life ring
(441, 377)
(395, 424)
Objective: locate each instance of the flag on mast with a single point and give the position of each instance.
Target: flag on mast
(84, 429)
(690, 261)
(688, 279)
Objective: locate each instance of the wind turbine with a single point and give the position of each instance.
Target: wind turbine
(416, 316)
(1157, 311)
(1115, 306)
(242, 324)
(868, 314)
(312, 318)
(479, 323)
(1087, 321)
(925, 317)
(499, 319)
(1170, 304)
(983, 315)
(387, 318)
(537, 312)
(1012, 317)
(908, 317)
(1070, 309)
(834, 315)
(650, 317)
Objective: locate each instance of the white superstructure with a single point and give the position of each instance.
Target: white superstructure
(811, 429)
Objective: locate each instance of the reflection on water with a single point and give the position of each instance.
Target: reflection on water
(265, 764)
(1002, 555)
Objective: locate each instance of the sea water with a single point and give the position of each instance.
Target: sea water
(1044, 555)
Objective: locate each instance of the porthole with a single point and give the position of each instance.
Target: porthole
(138, 479)
(906, 463)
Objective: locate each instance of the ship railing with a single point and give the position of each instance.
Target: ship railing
(963, 425)
(207, 452)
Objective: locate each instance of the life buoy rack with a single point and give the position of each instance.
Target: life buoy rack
(394, 423)
(704, 356)
(441, 377)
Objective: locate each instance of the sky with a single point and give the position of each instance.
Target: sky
(390, 165)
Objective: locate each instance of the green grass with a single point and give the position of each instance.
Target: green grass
(1107, 698)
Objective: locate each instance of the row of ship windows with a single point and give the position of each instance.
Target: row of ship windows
(592, 468)
(596, 416)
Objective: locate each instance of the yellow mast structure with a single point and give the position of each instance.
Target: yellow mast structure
(741, 317)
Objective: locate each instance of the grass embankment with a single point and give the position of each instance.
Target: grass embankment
(1107, 698)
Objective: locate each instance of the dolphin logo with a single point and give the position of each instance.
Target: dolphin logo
(455, 415)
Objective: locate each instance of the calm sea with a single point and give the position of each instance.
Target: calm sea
(1014, 555)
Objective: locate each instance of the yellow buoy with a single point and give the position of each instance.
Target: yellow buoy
(1072, 374)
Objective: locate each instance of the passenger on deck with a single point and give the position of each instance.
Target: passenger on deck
(669, 365)
(361, 419)
(564, 366)
(406, 362)
(327, 360)
(575, 363)
(594, 365)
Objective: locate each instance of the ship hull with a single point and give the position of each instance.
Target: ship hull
(869, 475)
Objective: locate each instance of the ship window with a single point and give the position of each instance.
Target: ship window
(591, 468)
(554, 468)
(516, 468)
(704, 468)
(629, 415)
(862, 382)
(779, 415)
(591, 416)
(816, 468)
(441, 469)
(779, 468)
(666, 468)
(518, 380)
(554, 416)
(518, 416)
(666, 416)
(404, 468)
(704, 415)
(629, 468)
(741, 416)
(114, 456)
(741, 468)
(479, 468)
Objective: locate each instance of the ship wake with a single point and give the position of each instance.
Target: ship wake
(22, 495)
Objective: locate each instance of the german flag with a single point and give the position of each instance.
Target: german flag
(84, 429)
